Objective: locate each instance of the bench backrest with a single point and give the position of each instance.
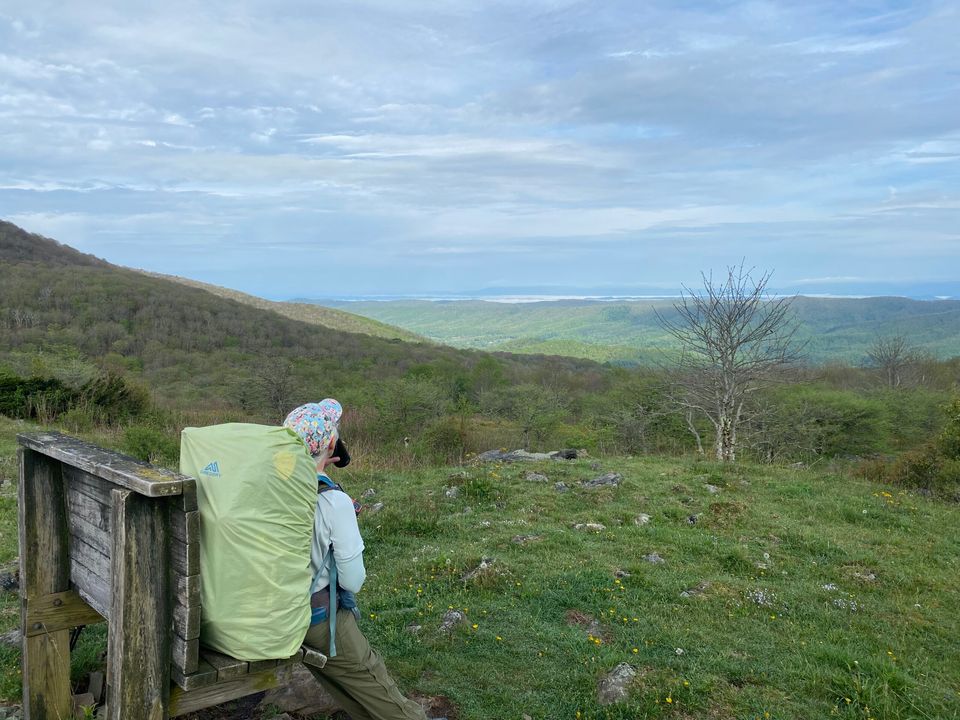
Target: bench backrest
(90, 475)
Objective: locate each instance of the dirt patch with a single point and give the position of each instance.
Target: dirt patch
(437, 706)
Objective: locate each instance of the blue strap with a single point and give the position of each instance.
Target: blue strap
(333, 605)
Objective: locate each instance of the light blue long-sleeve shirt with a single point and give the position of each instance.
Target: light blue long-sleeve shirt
(335, 524)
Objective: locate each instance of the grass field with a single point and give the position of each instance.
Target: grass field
(815, 595)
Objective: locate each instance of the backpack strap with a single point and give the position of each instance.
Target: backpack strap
(323, 485)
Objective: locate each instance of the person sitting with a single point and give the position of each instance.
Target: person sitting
(354, 673)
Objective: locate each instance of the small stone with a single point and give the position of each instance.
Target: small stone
(695, 591)
(467, 510)
(621, 574)
(561, 487)
(712, 489)
(654, 558)
(594, 465)
(641, 519)
(413, 628)
(452, 492)
(524, 539)
(451, 619)
(612, 479)
(13, 638)
(614, 686)
(368, 493)
(485, 523)
(375, 508)
(692, 519)
(536, 477)
(590, 527)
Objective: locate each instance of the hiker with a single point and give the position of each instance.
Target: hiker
(354, 674)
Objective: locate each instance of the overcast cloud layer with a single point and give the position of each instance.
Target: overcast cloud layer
(373, 146)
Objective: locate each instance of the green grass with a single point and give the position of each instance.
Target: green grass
(800, 652)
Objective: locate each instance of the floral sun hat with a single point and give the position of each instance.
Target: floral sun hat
(316, 424)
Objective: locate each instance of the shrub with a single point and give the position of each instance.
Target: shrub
(146, 442)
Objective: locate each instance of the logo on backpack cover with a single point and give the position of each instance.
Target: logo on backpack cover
(213, 469)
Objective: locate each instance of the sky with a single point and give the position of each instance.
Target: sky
(330, 149)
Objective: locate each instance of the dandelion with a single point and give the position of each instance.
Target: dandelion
(475, 626)
(499, 638)
(669, 699)
(635, 651)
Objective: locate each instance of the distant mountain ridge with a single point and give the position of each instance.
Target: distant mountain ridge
(834, 329)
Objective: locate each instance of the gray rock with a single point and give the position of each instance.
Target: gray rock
(302, 695)
(713, 489)
(561, 487)
(368, 493)
(614, 687)
(13, 638)
(641, 519)
(692, 519)
(375, 508)
(10, 578)
(451, 618)
(567, 454)
(621, 574)
(95, 686)
(654, 558)
(695, 591)
(512, 456)
(11, 713)
(452, 492)
(413, 628)
(524, 539)
(611, 479)
(536, 477)
(590, 527)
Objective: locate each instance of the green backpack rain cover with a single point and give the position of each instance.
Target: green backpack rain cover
(257, 495)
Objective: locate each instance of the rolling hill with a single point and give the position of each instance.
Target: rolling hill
(834, 329)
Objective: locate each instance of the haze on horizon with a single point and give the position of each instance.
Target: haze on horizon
(378, 148)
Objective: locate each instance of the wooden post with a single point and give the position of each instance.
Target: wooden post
(44, 570)
(141, 621)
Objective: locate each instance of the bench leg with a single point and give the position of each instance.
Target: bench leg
(141, 622)
(44, 569)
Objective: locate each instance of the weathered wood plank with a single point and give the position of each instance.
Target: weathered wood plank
(138, 643)
(227, 667)
(184, 654)
(58, 611)
(183, 702)
(44, 569)
(205, 675)
(120, 469)
(91, 587)
(186, 621)
(93, 487)
(89, 534)
(91, 511)
(186, 588)
(256, 666)
(185, 558)
(188, 494)
(185, 526)
(92, 558)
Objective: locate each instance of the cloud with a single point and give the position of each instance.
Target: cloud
(661, 136)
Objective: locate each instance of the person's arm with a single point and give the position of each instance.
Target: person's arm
(347, 542)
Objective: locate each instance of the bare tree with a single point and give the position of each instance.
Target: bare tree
(734, 338)
(899, 363)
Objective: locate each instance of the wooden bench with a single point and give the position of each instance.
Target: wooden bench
(104, 537)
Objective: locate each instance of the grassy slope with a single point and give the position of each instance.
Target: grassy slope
(835, 329)
(303, 312)
(799, 657)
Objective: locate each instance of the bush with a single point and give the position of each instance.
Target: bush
(146, 442)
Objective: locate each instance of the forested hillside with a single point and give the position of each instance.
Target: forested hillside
(306, 312)
(86, 344)
(834, 329)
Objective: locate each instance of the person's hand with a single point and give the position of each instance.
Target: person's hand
(323, 462)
